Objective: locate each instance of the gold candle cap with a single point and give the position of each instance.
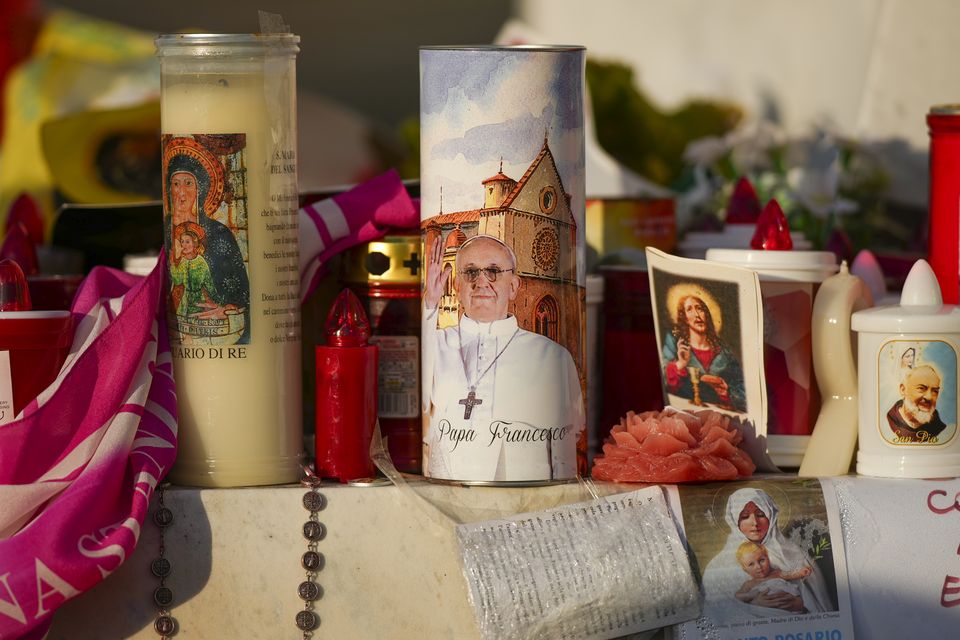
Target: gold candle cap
(391, 260)
(945, 109)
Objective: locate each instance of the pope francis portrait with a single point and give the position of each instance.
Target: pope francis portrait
(501, 404)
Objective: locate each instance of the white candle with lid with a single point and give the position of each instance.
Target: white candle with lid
(908, 383)
(230, 230)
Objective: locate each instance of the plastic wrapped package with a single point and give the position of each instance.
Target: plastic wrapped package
(591, 570)
(588, 566)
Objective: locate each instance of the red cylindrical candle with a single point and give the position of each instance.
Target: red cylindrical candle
(944, 239)
(346, 393)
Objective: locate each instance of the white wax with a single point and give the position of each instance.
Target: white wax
(240, 417)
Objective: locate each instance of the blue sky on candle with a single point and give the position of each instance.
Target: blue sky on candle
(481, 106)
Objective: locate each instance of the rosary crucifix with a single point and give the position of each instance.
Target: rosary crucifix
(469, 403)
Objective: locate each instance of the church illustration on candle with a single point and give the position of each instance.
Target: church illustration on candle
(533, 216)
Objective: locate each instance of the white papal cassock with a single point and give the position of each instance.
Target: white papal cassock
(531, 412)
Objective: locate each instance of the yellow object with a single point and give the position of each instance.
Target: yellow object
(391, 260)
(617, 225)
(78, 64)
(79, 148)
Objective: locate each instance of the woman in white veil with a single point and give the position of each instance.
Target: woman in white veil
(752, 515)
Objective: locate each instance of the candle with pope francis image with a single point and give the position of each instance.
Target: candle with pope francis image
(502, 221)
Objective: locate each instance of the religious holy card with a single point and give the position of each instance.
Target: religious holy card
(709, 325)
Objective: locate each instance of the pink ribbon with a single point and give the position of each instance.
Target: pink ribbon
(364, 213)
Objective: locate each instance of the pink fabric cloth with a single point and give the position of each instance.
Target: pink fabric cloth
(78, 467)
(364, 213)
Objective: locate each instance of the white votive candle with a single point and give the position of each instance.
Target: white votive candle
(228, 127)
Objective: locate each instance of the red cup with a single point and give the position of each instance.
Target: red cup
(37, 343)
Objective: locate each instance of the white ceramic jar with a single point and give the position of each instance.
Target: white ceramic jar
(908, 389)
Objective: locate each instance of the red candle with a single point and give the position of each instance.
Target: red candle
(33, 344)
(346, 393)
(944, 124)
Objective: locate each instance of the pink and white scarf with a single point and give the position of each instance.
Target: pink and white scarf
(78, 467)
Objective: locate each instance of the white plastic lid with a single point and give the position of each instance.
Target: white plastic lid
(733, 236)
(790, 266)
(921, 308)
(140, 264)
(33, 315)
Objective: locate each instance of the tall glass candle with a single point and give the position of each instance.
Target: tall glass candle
(228, 125)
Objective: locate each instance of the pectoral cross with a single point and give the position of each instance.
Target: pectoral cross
(469, 403)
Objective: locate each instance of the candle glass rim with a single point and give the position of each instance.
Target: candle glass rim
(531, 48)
(951, 109)
(174, 41)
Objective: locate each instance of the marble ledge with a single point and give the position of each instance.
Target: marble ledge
(392, 569)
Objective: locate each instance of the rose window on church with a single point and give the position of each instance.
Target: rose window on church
(546, 249)
(548, 199)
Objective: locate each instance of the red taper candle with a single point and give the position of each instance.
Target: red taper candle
(346, 393)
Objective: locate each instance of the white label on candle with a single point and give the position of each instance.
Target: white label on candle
(917, 392)
(6, 389)
(397, 376)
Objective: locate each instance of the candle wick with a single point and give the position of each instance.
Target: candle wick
(223, 82)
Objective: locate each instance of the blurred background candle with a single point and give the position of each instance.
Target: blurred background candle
(943, 122)
(230, 230)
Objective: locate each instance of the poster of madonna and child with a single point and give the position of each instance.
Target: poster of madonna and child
(770, 558)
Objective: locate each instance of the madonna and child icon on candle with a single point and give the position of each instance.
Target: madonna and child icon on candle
(205, 224)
